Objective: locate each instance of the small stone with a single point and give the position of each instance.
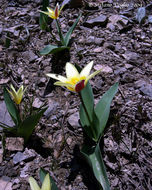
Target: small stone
(100, 20)
(105, 68)
(147, 90)
(128, 66)
(150, 19)
(131, 57)
(1, 155)
(37, 103)
(53, 105)
(4, 115)
(4, 81)
(110, 26)
(24, 171)
(14, 143)
(30, 56)
(73, 120)
(5, 183)
(69, 140)
(26, 156)
(98, 50)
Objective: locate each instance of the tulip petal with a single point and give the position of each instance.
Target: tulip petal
(57, 77)
(92, 75)
(64, 84)
(86, 70)
(44, 12)
(71, 71)
(46, 183)
(50, 10)
(33, 184)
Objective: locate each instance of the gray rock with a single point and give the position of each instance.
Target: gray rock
(26, 156)
(132, 57)
(1, 155)
(73, 120)
(94, 40)
(150, 19)
(4, 115)
(100, 20)
(53, 105)
(5, 183)
(147, 90)
(37, 103)
(14, 144)
(29, 56)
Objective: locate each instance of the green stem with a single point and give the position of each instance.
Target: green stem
(86, 111)
(81, 99)
(60, 32)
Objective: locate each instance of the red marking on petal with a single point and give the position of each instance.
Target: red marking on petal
(56, 11)
(79, 86)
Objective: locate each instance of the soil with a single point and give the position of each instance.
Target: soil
(123, 49)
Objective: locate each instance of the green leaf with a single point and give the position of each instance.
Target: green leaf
(141, 15)
(68, 34)
(94, 158)
(87, 113)
(52, 49)
(43, 173)
(88, 100)
(27, 126)
(11, 108)
(44, 18)
(102, 109)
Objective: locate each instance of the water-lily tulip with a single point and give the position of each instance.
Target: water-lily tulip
(54, 14)
(17, 95)
(45, 186)
(75, 81)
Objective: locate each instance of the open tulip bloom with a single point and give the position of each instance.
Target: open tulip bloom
(74, 80)
(46, 185)
(17, 95)
(54, 14)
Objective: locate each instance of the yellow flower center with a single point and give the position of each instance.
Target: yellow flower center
(73, 81)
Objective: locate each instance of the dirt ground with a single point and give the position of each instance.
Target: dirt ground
(122, 48)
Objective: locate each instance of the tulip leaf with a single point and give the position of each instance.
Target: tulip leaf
(88, 100)
(11, 108)
(85, 123)
(52, 49)
(44, 18)
(27, 126)
(94, 158)
(102, 108)
(43, 173)
(68, 34)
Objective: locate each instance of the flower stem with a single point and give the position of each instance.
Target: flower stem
(83, 104)
(60, 32)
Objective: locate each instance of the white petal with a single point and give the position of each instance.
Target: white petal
(86, 70)
(57, 77)
(50, 10)
(71, 71)
(33, 184)
(64, 84)
(92, 75)
(46, 183)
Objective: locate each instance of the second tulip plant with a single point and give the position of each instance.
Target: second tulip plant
(93, 118)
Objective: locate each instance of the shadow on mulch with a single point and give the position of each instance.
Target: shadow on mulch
(37, 144)
(79, 166)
